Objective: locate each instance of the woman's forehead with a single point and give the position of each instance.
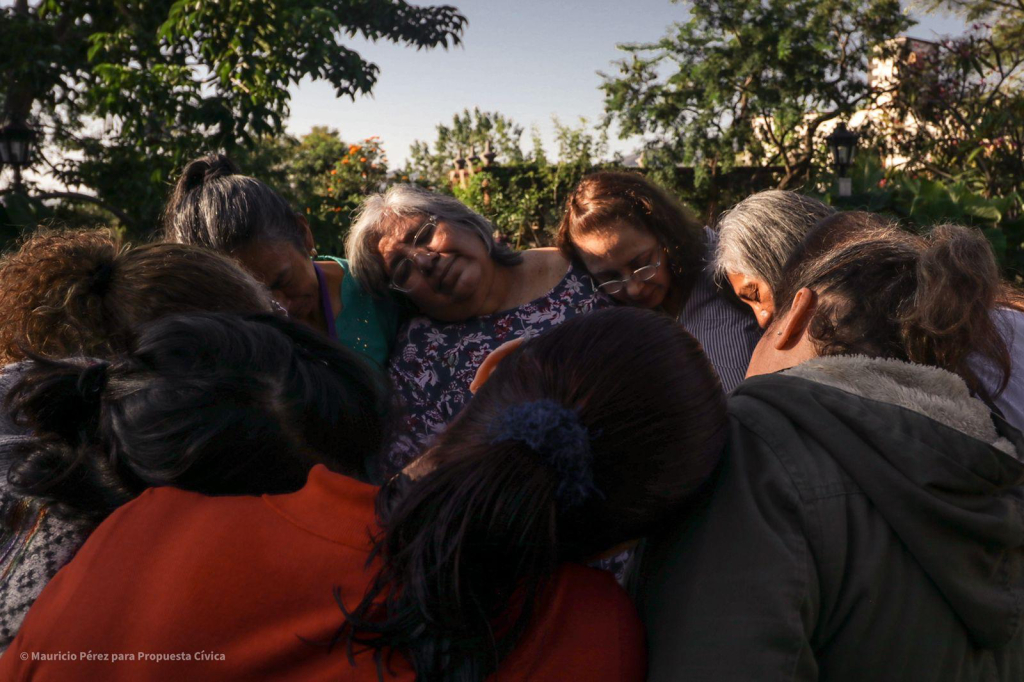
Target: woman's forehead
(395, 229)
(622, 242)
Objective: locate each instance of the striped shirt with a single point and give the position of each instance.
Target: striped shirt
(727, 332)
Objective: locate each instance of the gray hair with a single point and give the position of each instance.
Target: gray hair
(757, 236)
(374, 221)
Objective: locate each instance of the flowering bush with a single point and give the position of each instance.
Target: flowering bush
(338, 192)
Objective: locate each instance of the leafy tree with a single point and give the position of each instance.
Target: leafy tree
(750, 82)
(126, 92)
(958, 113)
(1005, 18)
(525, 198)
(339, 191)
(323, 177)
(468, 133)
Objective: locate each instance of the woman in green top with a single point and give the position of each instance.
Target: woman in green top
(214, 205)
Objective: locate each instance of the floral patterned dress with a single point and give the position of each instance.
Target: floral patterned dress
(434, 362)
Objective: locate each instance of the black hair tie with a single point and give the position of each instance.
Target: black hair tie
(101, 279)
(555, 433)
(93, 380)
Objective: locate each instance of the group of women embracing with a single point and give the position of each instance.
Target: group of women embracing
(782, 448)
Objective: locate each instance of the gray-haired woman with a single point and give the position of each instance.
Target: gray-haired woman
(756, 238)
(760, 234)
(473, 295)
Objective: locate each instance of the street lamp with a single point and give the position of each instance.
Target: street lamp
(16, 140)
(842, 144)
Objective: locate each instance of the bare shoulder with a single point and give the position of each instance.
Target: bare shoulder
(546, 263)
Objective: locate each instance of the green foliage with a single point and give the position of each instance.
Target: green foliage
(958, 113)
(920, 201)
(128, 92)
(323, 177)
(467, 135)
(525, 199)
(749, 82)
(1005, 18)
(362, 170)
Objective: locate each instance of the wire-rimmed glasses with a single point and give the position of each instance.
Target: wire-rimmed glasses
(405, 268)
(643, 274)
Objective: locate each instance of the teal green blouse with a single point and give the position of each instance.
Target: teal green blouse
(367, 324)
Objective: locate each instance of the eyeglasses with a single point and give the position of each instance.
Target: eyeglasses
(643, 274)
(405, 268)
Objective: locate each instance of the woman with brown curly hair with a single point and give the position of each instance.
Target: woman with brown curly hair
(644, 249)
(81, 293)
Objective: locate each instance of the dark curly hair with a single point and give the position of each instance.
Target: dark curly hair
(80, 292)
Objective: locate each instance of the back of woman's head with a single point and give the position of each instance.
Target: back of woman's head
(757, 236)
(885, 292)
(214, 403)
(606, 199)
(584, 438)
(81, 292)
(214, 205)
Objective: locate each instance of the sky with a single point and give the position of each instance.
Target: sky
(528, 59)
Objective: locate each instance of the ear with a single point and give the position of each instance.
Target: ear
(491, 361)
(792, 327)
(307, 234)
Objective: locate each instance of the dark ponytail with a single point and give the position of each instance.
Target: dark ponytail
(215, 206)
(885, 292)
(584, 438)
(212, 403)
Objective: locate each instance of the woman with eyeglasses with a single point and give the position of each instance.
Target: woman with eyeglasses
(215, 206)
(645, 250)
(473, 294)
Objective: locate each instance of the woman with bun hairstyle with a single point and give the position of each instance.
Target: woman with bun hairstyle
(81, 293)
(213, 403)
(582, 440)
(215, 206)
(644, 249)
(866, 522)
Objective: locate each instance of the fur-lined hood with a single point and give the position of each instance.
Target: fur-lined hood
(930, 391)
(942, 471)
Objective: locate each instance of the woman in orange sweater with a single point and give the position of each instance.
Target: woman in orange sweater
(580, 441)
